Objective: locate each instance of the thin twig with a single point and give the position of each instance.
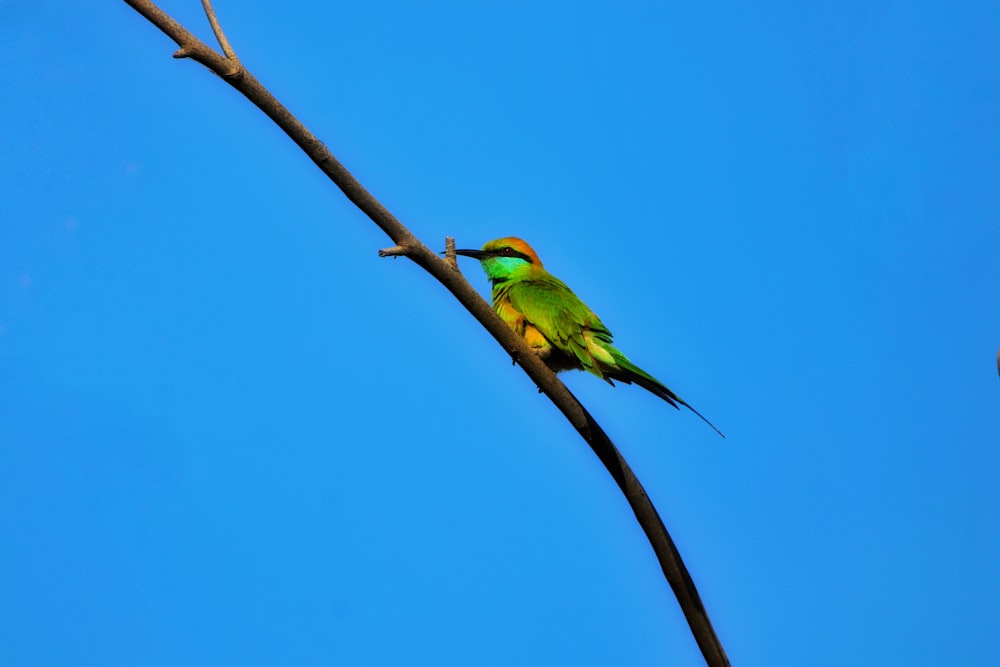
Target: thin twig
(394, 251)
(227, 50)
(444, 271)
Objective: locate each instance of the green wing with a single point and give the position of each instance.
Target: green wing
(552, 308)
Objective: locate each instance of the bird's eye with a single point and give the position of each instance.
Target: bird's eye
(508, 251)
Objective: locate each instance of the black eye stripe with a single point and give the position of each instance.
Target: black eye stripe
(507, 251)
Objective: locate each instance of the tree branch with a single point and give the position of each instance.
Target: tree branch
(446, 272)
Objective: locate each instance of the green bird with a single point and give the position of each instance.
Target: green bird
(555, 323)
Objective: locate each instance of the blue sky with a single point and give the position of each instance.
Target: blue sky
(231, 434)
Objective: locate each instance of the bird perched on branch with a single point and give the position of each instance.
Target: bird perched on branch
(555, 323)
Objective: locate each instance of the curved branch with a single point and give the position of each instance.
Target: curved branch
(446, 272)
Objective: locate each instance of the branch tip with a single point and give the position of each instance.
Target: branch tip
(449, 252)
(394, 251)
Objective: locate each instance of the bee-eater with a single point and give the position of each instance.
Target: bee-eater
(555, 323)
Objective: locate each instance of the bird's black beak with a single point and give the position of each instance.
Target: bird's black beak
(475, 254)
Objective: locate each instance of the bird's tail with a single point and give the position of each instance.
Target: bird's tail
(628, 373)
